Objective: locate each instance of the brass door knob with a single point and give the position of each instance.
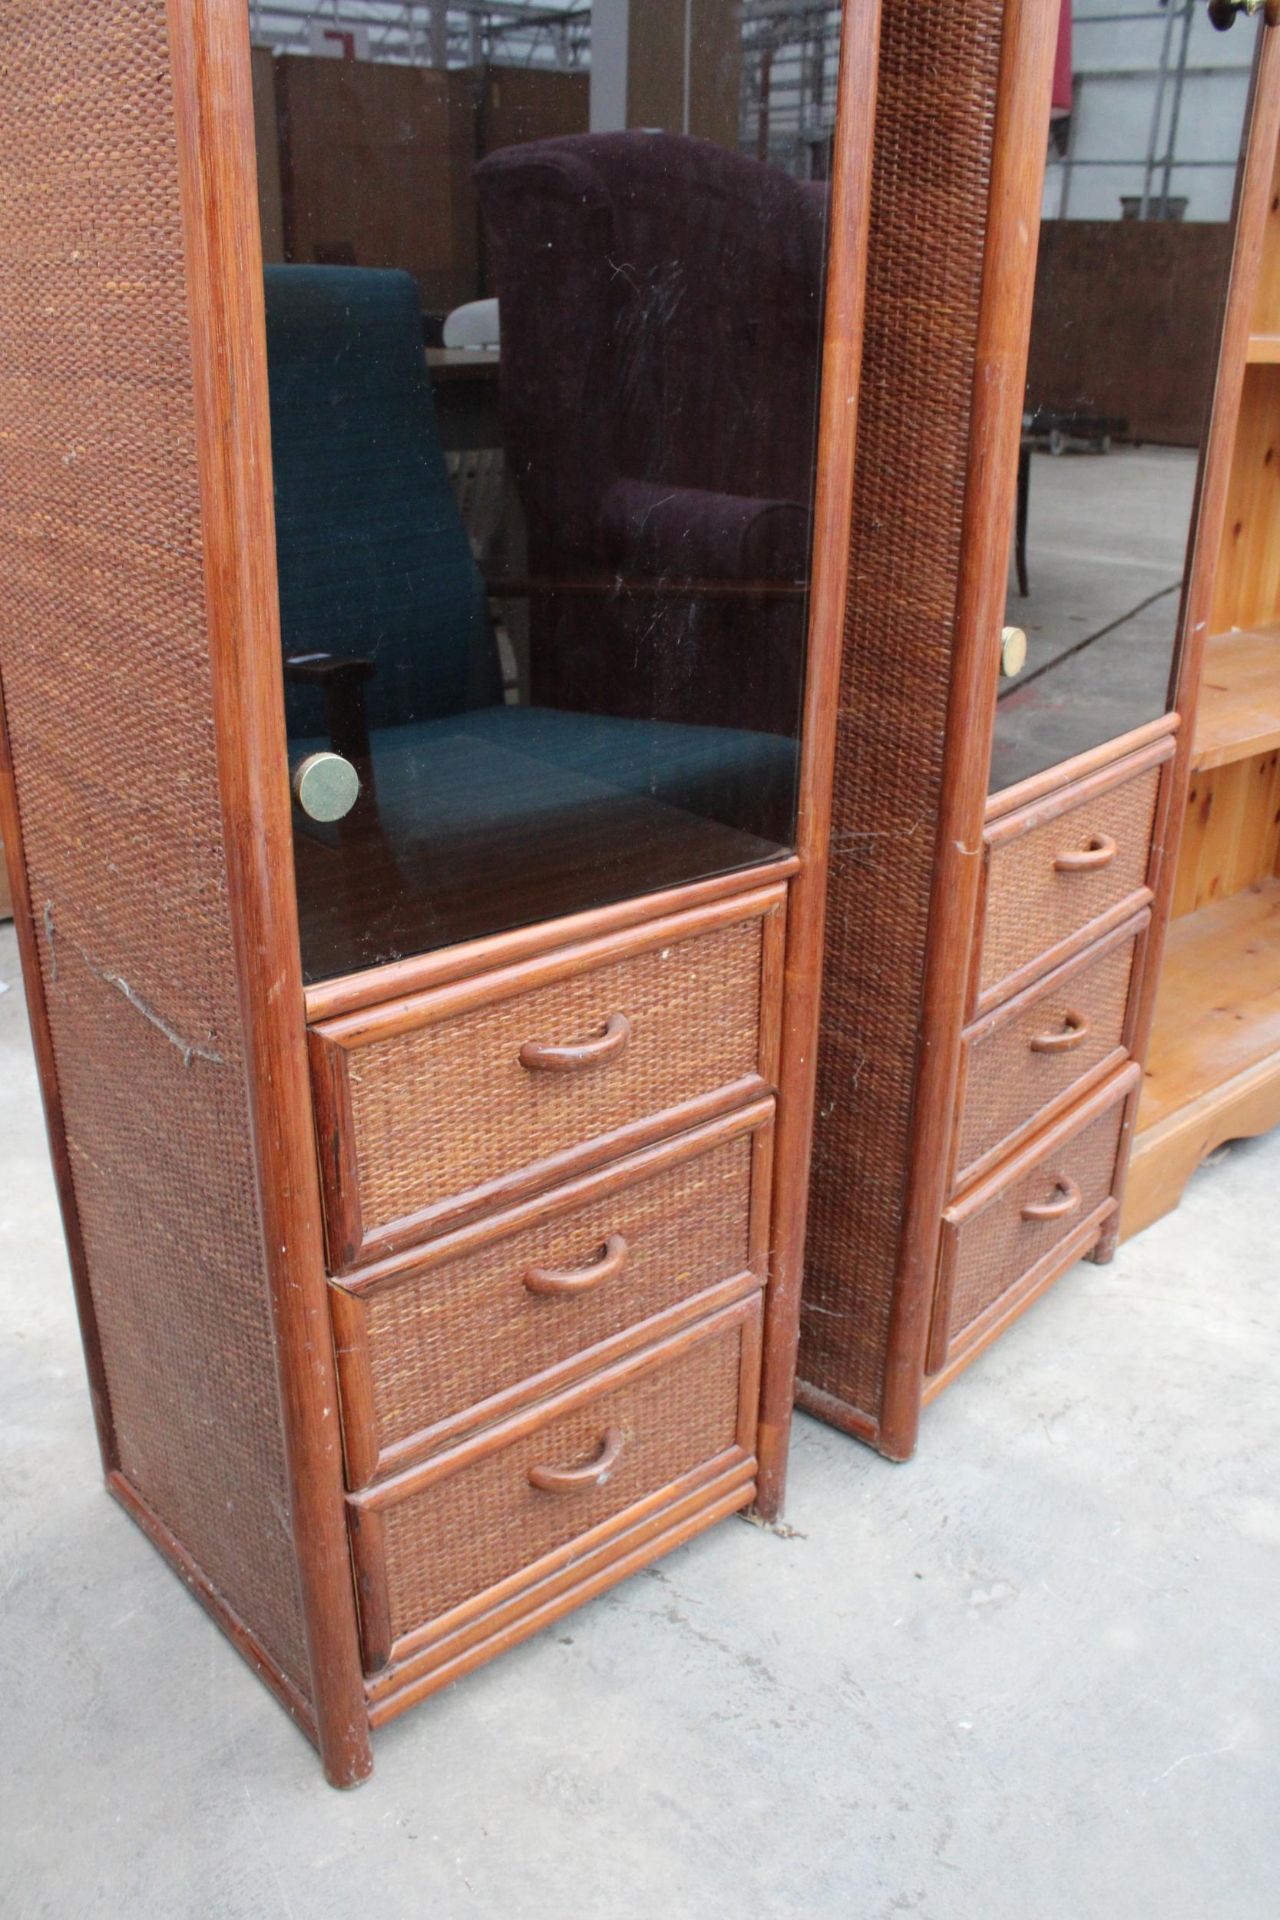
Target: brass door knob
(1222, 13)
(1013, 652)
(326, 786)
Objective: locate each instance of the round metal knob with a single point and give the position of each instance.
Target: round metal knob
(1013, 652)
(1222, 13)
(326, 786)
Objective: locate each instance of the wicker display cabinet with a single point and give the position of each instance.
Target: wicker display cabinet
(423, 1297)
(995, 917)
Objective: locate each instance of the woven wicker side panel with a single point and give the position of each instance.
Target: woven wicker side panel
(932, 160)
(1031, 906)
(998, 1246)
(103, 651)
(1008, 1083)
(485, 1522)
(444, 1109)
(443, 1342)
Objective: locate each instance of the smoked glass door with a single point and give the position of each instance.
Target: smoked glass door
(544, 294)
(1145, 139)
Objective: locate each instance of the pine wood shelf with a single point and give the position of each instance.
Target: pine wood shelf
(1239, 697)
(1213, 1063)
(1213, 1072)
(1219, 1006)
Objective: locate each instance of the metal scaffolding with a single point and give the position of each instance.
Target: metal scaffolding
(790, 61)
(437, 33)
(791, 58)
(790, 52)
(1154, 169)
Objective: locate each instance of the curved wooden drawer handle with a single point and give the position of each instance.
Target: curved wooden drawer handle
(538, 1057)
(1075, 1031)
(1068, 1202)
(581, 1279)
(1100, 852)
(572, 1479)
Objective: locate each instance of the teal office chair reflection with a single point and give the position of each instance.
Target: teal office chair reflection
(391, 656)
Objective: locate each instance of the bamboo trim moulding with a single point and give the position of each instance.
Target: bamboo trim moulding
(213, 107)
(1004, 321)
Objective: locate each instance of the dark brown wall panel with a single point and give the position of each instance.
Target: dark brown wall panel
(1124, 313)
(267, 153)
(104, 660)
(525, 103)
(376, 171)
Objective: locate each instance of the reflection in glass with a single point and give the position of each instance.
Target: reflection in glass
(1134, 253)
(544, 296)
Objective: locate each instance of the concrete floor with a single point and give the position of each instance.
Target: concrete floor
(1034, 1675)
(1106, 548)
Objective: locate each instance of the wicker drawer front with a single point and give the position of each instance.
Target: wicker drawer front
(1024, 1063)
(504, 1312)
(457, 1537)
(1056, 871)
(448, 1104)
(996, 1239)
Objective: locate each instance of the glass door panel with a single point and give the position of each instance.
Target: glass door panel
(544, 295)
(1135, 247)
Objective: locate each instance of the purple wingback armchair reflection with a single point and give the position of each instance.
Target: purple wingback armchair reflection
(661, 303)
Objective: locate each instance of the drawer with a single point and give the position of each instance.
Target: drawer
(1024, 1063)
(506, 1311)
(1065, 870)
(507, 1511)
(455, 1101)
(1030, 1218)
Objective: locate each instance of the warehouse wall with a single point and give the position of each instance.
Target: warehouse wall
(1112, 116)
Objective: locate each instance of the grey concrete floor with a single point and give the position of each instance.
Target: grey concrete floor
(1107, 547)
(1034, 1674)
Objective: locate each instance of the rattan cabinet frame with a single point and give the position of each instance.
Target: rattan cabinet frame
(145, 811)
(959, 160)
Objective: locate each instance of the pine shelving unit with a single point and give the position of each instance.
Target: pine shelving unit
(1213, 1070)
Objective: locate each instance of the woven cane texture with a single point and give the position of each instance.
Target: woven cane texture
(1031, 906)
(931, 168)
(997, 1247)
(449, 1107)
(106, 678)
(1008, 1083)
(452, 1336)
(485, 1522)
